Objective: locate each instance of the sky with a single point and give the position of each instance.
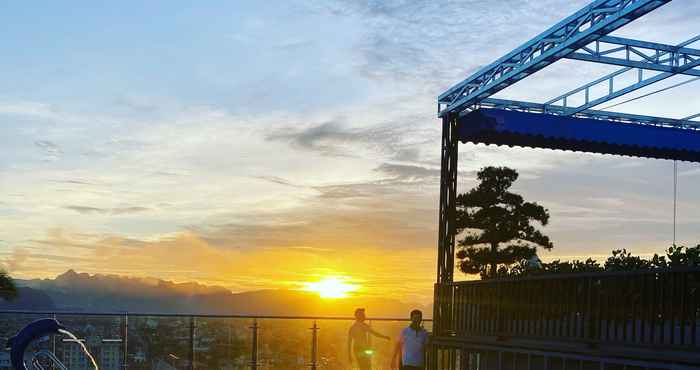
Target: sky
(258, 145)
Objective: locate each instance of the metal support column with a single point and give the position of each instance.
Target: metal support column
(192, 343)
(314, 347)
(125, 341)
(448, 191)
(446, 232)
(254, 346)
(53, 344)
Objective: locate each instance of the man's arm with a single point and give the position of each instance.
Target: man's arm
(377, 334)
(397, 353)
(350, 346)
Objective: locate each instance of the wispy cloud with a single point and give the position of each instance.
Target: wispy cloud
(50, 149)
(107, 211)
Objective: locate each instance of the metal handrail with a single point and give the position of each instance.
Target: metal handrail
(210, 316)
(191, 361)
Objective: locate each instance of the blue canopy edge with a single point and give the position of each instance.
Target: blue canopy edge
(536, 130)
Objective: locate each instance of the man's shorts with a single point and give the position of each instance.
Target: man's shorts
(364, 361)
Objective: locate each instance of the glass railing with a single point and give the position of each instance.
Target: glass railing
(153, 341)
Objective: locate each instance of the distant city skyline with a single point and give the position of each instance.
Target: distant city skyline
(258, 145)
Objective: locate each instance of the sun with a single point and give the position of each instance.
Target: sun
(331, 287)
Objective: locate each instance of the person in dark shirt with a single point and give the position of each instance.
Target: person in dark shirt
(359, 341)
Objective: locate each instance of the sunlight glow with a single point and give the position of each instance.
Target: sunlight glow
(331, 287)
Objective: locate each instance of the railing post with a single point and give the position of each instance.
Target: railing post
(53, 344)
(589, 311)
(192, 343)
(254, 346)
(314, 347)
(499, 316)
(437, 302)
(125, 341)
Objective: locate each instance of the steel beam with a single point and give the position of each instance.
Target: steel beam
(692, 117)
(684, 67)
(580, 29)
(448, 195)
(446, 219)
(612, 85)
(646, 45)
(530, 107)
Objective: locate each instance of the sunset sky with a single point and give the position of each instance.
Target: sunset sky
(255, 144)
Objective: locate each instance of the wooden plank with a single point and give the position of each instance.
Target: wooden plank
(634, 285)
(684, 307)
(694, 310)
(672, 307)
(664, 286)
(643, 309)
(654, 304)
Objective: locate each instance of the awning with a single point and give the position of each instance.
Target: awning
(536, 130)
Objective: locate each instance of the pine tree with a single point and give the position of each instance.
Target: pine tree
(497, 225)
(8, 290)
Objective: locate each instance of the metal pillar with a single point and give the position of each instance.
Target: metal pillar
(53, 344)
(314, 347)
(446, 229)
(448, 193)
(125, 341)
(192, 343)
(254, 347)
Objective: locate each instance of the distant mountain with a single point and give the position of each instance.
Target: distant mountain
(28, 298)
(111, 293)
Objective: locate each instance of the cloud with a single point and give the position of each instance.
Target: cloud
(107, 211)
(51, 150)
(278, 180)
(328, 138)
(401, 138)
(437, 43)
(189, 255)
(76, 182)
(395, 180)
(409, 173)
(15, 261)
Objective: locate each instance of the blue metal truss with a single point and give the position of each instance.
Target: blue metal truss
(573, 33)
(640, 54)
(521, 106)
(583, 36)
(615, 84)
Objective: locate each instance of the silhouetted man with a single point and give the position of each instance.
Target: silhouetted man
(411, 345)
(358, 341)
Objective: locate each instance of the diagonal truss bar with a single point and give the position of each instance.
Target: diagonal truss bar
(692, 117)
(585, 26)
(522, 106)
(640, 54)
(610, 81)
(655, 46)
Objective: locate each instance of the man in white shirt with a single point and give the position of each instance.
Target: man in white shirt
(411, 345)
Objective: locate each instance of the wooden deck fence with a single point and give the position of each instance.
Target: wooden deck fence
(656, 308)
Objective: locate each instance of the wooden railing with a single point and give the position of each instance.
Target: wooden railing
(645, 308)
